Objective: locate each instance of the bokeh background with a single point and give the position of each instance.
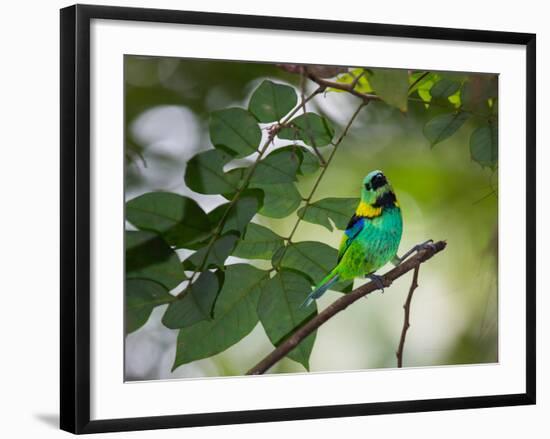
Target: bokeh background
(443, 194)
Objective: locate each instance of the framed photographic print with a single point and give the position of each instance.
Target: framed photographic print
(283, 218)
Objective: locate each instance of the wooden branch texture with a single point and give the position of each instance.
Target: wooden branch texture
(406, 319)
(342, 303)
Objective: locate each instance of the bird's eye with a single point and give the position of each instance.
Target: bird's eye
(367, 186)
(378, 180)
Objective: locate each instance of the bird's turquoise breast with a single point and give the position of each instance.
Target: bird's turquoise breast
(375, 245)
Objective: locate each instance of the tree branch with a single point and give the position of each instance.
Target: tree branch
(406, 321)
(342, 303)
(350, 88)
(324, 168)
(367, 97)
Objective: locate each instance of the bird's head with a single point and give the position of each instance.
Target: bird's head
(375, 185)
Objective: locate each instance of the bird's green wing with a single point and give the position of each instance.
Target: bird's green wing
(354, 227)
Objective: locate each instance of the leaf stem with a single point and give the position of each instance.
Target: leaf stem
(290, 115)
(241, 189)
(356, 79)
(217, 231)
(324, 168)
(420, 78)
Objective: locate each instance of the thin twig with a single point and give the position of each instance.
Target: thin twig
(217, 231)
(367, 97)
(324, 169)
(290, 115)
(406, 320)
(356, 79)
(342, 303)
(420, 78)
(484, 197)
(345, 87)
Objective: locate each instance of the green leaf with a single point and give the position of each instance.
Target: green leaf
(142, 295)
(218, 253)
(240, 213)
(443, 126)
(444, 88)
(422, 83)
(362, 85)
(196, 305)
(309, 163)
(234, 316)
(235, 130)
(258, 243)
(310, 128)
(270, 102)
(179, 220)
(484, 145)
(205, 175)
(313, 259)
(280, 312)
(339, 210)
(425, 96)
(278, 167)
(149, 257)
(280, 200)
(456, 99)
(392, 85)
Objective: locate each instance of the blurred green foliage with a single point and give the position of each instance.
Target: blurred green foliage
(433, 133)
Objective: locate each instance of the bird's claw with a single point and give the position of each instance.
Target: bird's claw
(429, 243)
(378, 280)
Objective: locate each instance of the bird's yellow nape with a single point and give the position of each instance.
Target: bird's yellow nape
(366, 210)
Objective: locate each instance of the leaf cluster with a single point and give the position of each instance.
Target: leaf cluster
(455, 98)
(211, 303)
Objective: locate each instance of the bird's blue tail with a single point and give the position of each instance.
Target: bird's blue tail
(325, 284)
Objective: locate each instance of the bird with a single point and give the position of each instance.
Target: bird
(371, 238)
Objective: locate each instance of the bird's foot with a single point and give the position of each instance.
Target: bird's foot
(378, 280)
(398, 260)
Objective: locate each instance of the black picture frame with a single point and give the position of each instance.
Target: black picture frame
(75, 217)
